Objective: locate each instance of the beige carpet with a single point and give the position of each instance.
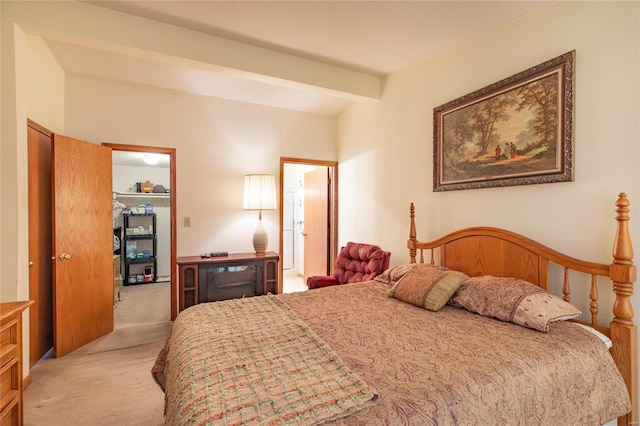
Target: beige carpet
(108, 381)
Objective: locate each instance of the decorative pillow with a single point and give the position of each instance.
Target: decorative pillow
(393, 274)
(512, 300)
(429, 288)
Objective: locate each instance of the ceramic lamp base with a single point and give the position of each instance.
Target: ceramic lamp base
(260, 240)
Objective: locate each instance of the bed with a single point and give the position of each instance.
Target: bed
(464, 333)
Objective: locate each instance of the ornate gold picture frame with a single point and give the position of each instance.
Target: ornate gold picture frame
(517, 131)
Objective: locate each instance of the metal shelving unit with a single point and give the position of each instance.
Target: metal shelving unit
(139, 247)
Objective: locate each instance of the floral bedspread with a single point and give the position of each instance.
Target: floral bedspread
(454, 367)
(450, 367)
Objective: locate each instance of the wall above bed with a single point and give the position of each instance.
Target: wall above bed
(386, 149)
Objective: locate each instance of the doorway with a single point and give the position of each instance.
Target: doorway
(168, 200)
(308, 237)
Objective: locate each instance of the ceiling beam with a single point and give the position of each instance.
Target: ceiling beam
(99, 28)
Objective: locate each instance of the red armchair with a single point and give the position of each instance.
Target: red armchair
(356, 262)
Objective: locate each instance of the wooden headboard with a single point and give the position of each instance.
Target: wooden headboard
(493, 251)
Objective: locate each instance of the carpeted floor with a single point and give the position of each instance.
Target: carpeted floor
(108, 381)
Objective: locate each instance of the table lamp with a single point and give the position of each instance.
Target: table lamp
(260, 194)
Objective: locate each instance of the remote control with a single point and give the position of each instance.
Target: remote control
(205, 256)
(219, 253)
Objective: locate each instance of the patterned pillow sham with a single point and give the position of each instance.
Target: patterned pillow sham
(512, 300)
(393, 274)
(428, 288)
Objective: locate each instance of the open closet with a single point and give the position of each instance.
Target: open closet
(144, 217)
(141, 216)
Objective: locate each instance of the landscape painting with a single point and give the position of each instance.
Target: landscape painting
(515, 132)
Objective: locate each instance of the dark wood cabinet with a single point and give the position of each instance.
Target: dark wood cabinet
(226, 277)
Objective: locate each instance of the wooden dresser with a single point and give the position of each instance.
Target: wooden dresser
(11, 362)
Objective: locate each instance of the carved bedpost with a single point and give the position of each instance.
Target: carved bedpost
(411, 244)
(623, 332)
(622, 270)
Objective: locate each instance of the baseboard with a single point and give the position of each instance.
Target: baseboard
(26, 381)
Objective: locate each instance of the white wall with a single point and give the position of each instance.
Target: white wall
(385, 150)
(217, 142)
(45, 82)
(35, 63)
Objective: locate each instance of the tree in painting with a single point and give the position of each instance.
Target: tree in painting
(508, 134)
(542, 97)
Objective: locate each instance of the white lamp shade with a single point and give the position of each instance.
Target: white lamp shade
(259, 192)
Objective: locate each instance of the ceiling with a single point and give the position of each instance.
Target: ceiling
(137, 159)
(370, 37)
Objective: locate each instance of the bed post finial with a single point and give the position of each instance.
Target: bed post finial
(622, 271)
(411, 244)
(622, 249)
(623, 332)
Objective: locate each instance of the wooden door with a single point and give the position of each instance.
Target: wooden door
(316, 222)
(40, 286)
(82, 243)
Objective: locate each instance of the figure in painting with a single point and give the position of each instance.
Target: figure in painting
(498, 152)
(506, 150)
(513, 150)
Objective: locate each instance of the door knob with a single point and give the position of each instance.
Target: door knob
(31, 263)
(65, 256)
